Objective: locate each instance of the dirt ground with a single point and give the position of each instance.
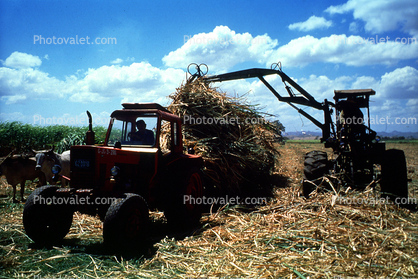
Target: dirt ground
(292, 157)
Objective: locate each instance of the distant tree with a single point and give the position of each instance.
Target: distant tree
(278, 129)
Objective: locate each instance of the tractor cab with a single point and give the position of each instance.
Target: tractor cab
(139, 126)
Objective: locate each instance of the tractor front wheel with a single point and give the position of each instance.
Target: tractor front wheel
(46, 222)
(126, 222)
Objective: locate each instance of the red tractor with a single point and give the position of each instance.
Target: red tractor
(138, 168)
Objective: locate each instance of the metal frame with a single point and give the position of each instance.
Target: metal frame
(306, 99)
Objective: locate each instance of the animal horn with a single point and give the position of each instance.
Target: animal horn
(11, 153)
(8, 156)
(51, 150)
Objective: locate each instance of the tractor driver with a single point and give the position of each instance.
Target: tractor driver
(351, 117)
(143, 136)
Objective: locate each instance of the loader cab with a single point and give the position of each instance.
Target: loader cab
(352, 107)
(355, 138)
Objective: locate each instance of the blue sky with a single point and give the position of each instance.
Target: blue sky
(147, 45)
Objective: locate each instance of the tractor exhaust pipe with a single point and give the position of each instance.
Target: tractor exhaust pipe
(90, 134)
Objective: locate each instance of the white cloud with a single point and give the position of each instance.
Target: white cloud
(216, 50)
(352, 51)
(21, 60)
(138, 82)
(412, 103)
(402, 83)
(116, 61)
(388, 108)
(120, 60)
(312, 23)
(365, 82)
(221, 49)
(322, 87)
(382, 16)
(354, 27)
(18, 85)
(13, 116)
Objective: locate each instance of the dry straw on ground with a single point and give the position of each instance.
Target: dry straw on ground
(319, 238)
(330, 235)
(233, 137)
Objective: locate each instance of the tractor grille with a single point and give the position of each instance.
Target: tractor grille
(83, 165)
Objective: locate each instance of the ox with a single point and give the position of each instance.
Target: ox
(18, 169)
(45, 160)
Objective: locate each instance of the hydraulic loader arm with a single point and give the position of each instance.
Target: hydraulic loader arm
(304, 99)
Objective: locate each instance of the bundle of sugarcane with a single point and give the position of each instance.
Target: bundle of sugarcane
(233, 137)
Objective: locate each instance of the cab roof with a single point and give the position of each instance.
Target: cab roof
(144, 106)
(132, 110)
(339, 94)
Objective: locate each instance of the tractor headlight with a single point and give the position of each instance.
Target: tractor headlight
(56, 169)
(114, 171)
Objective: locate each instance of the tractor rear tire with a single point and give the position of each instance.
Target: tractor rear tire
(126, 223)
(46, 223)
(316, 165)
(185, 206)
(394, 182)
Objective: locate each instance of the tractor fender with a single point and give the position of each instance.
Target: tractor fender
(176, 168)
(184, 162)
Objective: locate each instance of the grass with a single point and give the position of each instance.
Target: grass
(302, 141)
(289, 237)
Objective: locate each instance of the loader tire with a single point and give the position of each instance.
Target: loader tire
(316, 165)
(125, 226)
(46, 223)
(394, 182)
